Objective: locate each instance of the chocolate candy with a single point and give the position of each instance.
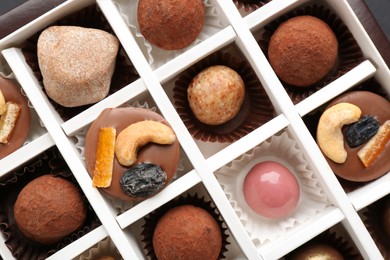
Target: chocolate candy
(271, 190)
(316, 251)
(353, 169)
(166, 156)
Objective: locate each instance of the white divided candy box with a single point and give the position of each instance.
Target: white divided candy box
(211, 167)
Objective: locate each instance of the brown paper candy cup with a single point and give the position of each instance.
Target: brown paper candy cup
(374, 219)
(333, 240)
(250, 5)
(256, 110)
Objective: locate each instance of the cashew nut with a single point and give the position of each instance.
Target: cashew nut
(137, 135)
(3, 107)
(329, 135)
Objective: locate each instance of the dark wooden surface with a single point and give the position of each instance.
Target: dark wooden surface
(16, 13)
(370, 23)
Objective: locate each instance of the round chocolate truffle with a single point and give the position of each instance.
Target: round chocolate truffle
(170, 24)
(216, 94)
(48, 209)
(353, 169)
(12, 93)
(303, 50)
(271, 190)
(165, 156)
(187, 232)
(316, 251)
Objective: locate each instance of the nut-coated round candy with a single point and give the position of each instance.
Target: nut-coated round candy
(216, 94)
(271, 190)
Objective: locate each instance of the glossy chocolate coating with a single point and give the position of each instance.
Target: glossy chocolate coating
(316, 251)
(271, 190)
(166, 156)
(353, 169)
(12, 92)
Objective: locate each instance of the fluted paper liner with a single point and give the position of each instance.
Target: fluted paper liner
(373, 219)
(247, 6)
(350, 54)
(119, 204)
(104, 248)
(336, 241)
(256, 110)
(154, 55)
(152, 219)
(89, 17)
(49, 162)
(283, 149)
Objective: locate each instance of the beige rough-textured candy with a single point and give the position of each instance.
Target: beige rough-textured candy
(216, 94)
(76, 64)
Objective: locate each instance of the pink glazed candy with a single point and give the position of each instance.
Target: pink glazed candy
(271, 190)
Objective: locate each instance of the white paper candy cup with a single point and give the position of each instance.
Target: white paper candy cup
(282, 149)
(156, 56)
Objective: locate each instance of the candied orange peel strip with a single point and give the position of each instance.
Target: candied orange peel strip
(374, 147)
(8, 121)
(102, 174)
(3, 106)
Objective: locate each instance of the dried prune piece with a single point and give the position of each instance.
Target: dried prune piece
(143, 180)
(358, 133)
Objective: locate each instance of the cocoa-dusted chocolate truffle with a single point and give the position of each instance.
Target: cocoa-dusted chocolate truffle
(48, 209)
(303, 50)
(216, 94)
(76, 63)
(170, 24)
(187, 232)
